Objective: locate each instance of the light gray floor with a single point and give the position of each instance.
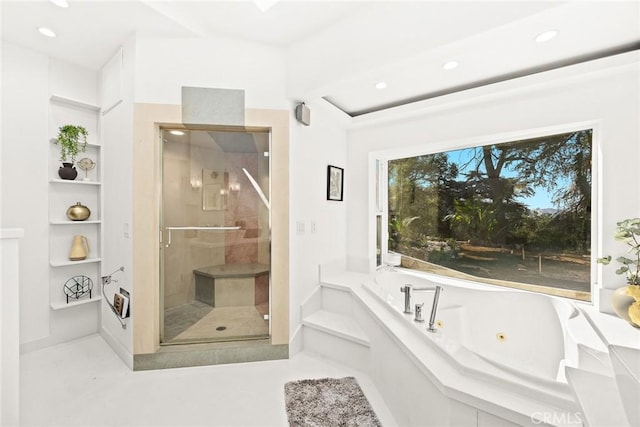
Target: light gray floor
(83, 383)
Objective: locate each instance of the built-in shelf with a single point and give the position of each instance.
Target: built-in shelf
(63, 193)
(69, 181)
(97, 221)
(75, 102)
(68, 262)
(63, 304)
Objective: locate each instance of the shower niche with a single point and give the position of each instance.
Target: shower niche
(215, 221)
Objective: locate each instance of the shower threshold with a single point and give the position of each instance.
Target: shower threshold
(210, 353)
(215, 340)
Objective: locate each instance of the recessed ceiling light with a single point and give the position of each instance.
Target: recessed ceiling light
(176, 132)
(450, 65)
(546, 36)
(381, 85)
(265, 5)
(47, 32)
(60, 3)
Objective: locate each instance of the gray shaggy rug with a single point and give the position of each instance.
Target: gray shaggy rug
(328, 402)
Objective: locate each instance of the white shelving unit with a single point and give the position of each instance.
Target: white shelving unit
(67, 263)
(66, 181)
(88, 221)
(85, 189)
(56, 305)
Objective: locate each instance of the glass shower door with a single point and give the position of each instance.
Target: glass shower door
(215, 257)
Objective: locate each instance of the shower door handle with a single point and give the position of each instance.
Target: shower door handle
(216, 228)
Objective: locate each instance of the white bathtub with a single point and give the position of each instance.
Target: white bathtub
(509, 334)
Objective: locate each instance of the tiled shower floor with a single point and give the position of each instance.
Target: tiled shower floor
(197, 320)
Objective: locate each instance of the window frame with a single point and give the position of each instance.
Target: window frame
(383, 157)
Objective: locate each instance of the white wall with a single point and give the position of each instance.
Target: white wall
(117, 154)
(28, 79)
(9, 325)
(313, 148)
(605, 91)
(163, 66)
(25, 90)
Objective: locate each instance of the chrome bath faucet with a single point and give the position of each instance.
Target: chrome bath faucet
(408, 289)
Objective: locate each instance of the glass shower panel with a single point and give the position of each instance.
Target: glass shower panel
(215, 257)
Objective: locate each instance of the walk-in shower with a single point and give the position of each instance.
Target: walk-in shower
(215, 225)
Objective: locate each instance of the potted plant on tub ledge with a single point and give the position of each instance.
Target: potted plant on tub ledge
(626, 300)
(72, 140)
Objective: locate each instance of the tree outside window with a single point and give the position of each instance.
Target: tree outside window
(516, 213)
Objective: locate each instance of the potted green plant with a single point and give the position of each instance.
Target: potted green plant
(626, 300)
(72, 140)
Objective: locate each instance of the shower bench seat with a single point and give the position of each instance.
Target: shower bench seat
(230, 285)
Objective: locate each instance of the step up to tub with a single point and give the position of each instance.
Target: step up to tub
(598, 398)
(338, 325)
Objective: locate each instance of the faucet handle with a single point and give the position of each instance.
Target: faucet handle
(406, 289)
(418, 317)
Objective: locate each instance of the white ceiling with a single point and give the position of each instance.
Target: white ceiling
(339, 50)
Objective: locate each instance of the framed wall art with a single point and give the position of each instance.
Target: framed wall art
(335, 183)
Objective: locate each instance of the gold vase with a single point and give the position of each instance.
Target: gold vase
(78, 212)
(625, 301)
(79, 248)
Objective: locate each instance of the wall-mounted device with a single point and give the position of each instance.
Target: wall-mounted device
(303, 114)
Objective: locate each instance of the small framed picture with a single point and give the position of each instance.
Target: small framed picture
(335, 181)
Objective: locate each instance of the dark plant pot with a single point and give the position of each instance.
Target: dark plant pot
(68, 171)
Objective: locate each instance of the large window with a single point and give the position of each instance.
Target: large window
(514, 214)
